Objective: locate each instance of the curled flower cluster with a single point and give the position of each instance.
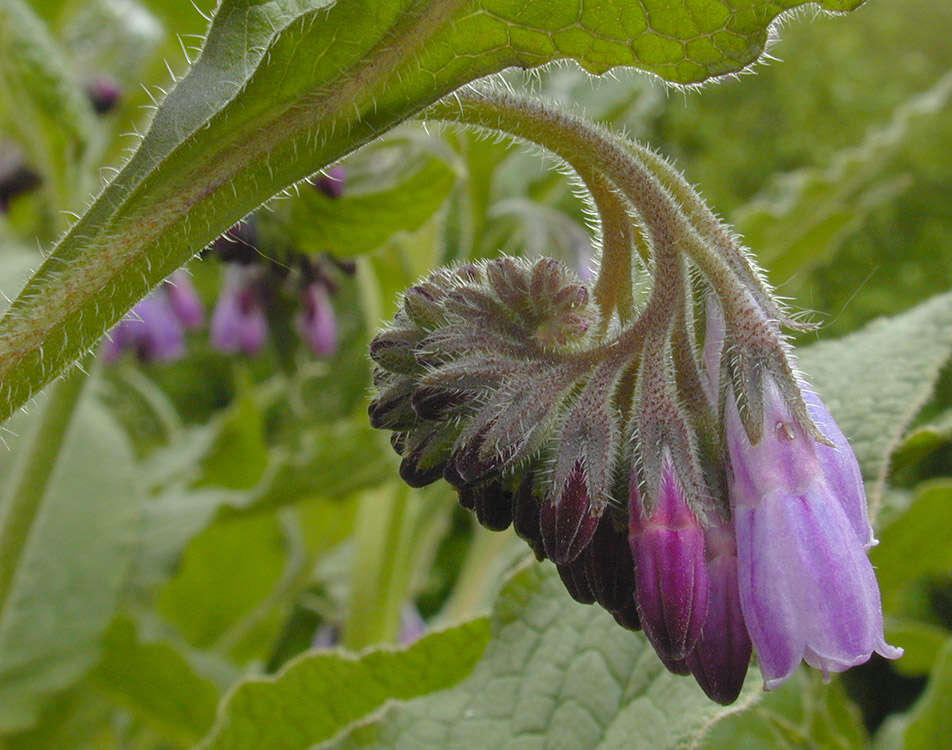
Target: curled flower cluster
(704, 495)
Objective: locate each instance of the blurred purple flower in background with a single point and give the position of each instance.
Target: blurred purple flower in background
(239, 322)
(103, 93)
(331, 182)
(156, 329)
(317, 322)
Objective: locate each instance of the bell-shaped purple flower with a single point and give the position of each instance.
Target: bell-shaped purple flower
(153, 332)
(184, 300)
(239, 322)
(103, 93)
(807, 588)
(667, 546)
(721, 655)
(317, 322)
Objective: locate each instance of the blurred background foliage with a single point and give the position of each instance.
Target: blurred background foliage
(267, 516)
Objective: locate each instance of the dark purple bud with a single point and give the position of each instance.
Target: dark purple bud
(493, 506)
(391, 409)
(568, 520)
(667, 545)
(576, 582)
(675, 666)
(239, 322)
(721, 655)
(467, 497)
(331, 182)
(609, 567)
(317, 322)
(525, 516)
(103, 93)
(426, 455)
(184, 300)
(627, 616)
(470, 462)
(436, 403)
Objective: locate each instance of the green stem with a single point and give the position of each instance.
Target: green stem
(474, 588)
(374, 614)
(32, 473)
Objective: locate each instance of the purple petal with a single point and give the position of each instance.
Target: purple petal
(239, 322)
(670, 571)
(184, 300)
(317, 323)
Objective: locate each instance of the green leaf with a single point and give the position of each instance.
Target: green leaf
(156, 683)
(874, 381)
(803, 216)
(555, 674)
(282, 89)
(916, 544)
(41, 105)
(239, 456)
(923, 440)
(340, 226)
(921, 644)
(227, 574)
(804, 713)
(71, 569)
(318, 694)
(930, 723)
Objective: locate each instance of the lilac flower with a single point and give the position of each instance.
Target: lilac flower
(667, 546)
(239, 322)
(317, 322)
(184, 300)
(807, 589)
(154, 332)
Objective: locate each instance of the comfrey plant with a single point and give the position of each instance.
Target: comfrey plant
(698, 490)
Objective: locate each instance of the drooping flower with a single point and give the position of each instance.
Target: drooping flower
(667, 545)
(807, 589)
(239, 322)
(317, 322)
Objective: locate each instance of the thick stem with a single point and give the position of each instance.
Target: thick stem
(32, 474)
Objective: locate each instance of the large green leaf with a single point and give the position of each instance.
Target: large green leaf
(156, 683)
(281, 89)
(71, 568)
(930, 723)
(340, 226)
(318, 694)
(801, 217)
(874, 381)
(555, 674)
(916, 544)
(804, 713)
